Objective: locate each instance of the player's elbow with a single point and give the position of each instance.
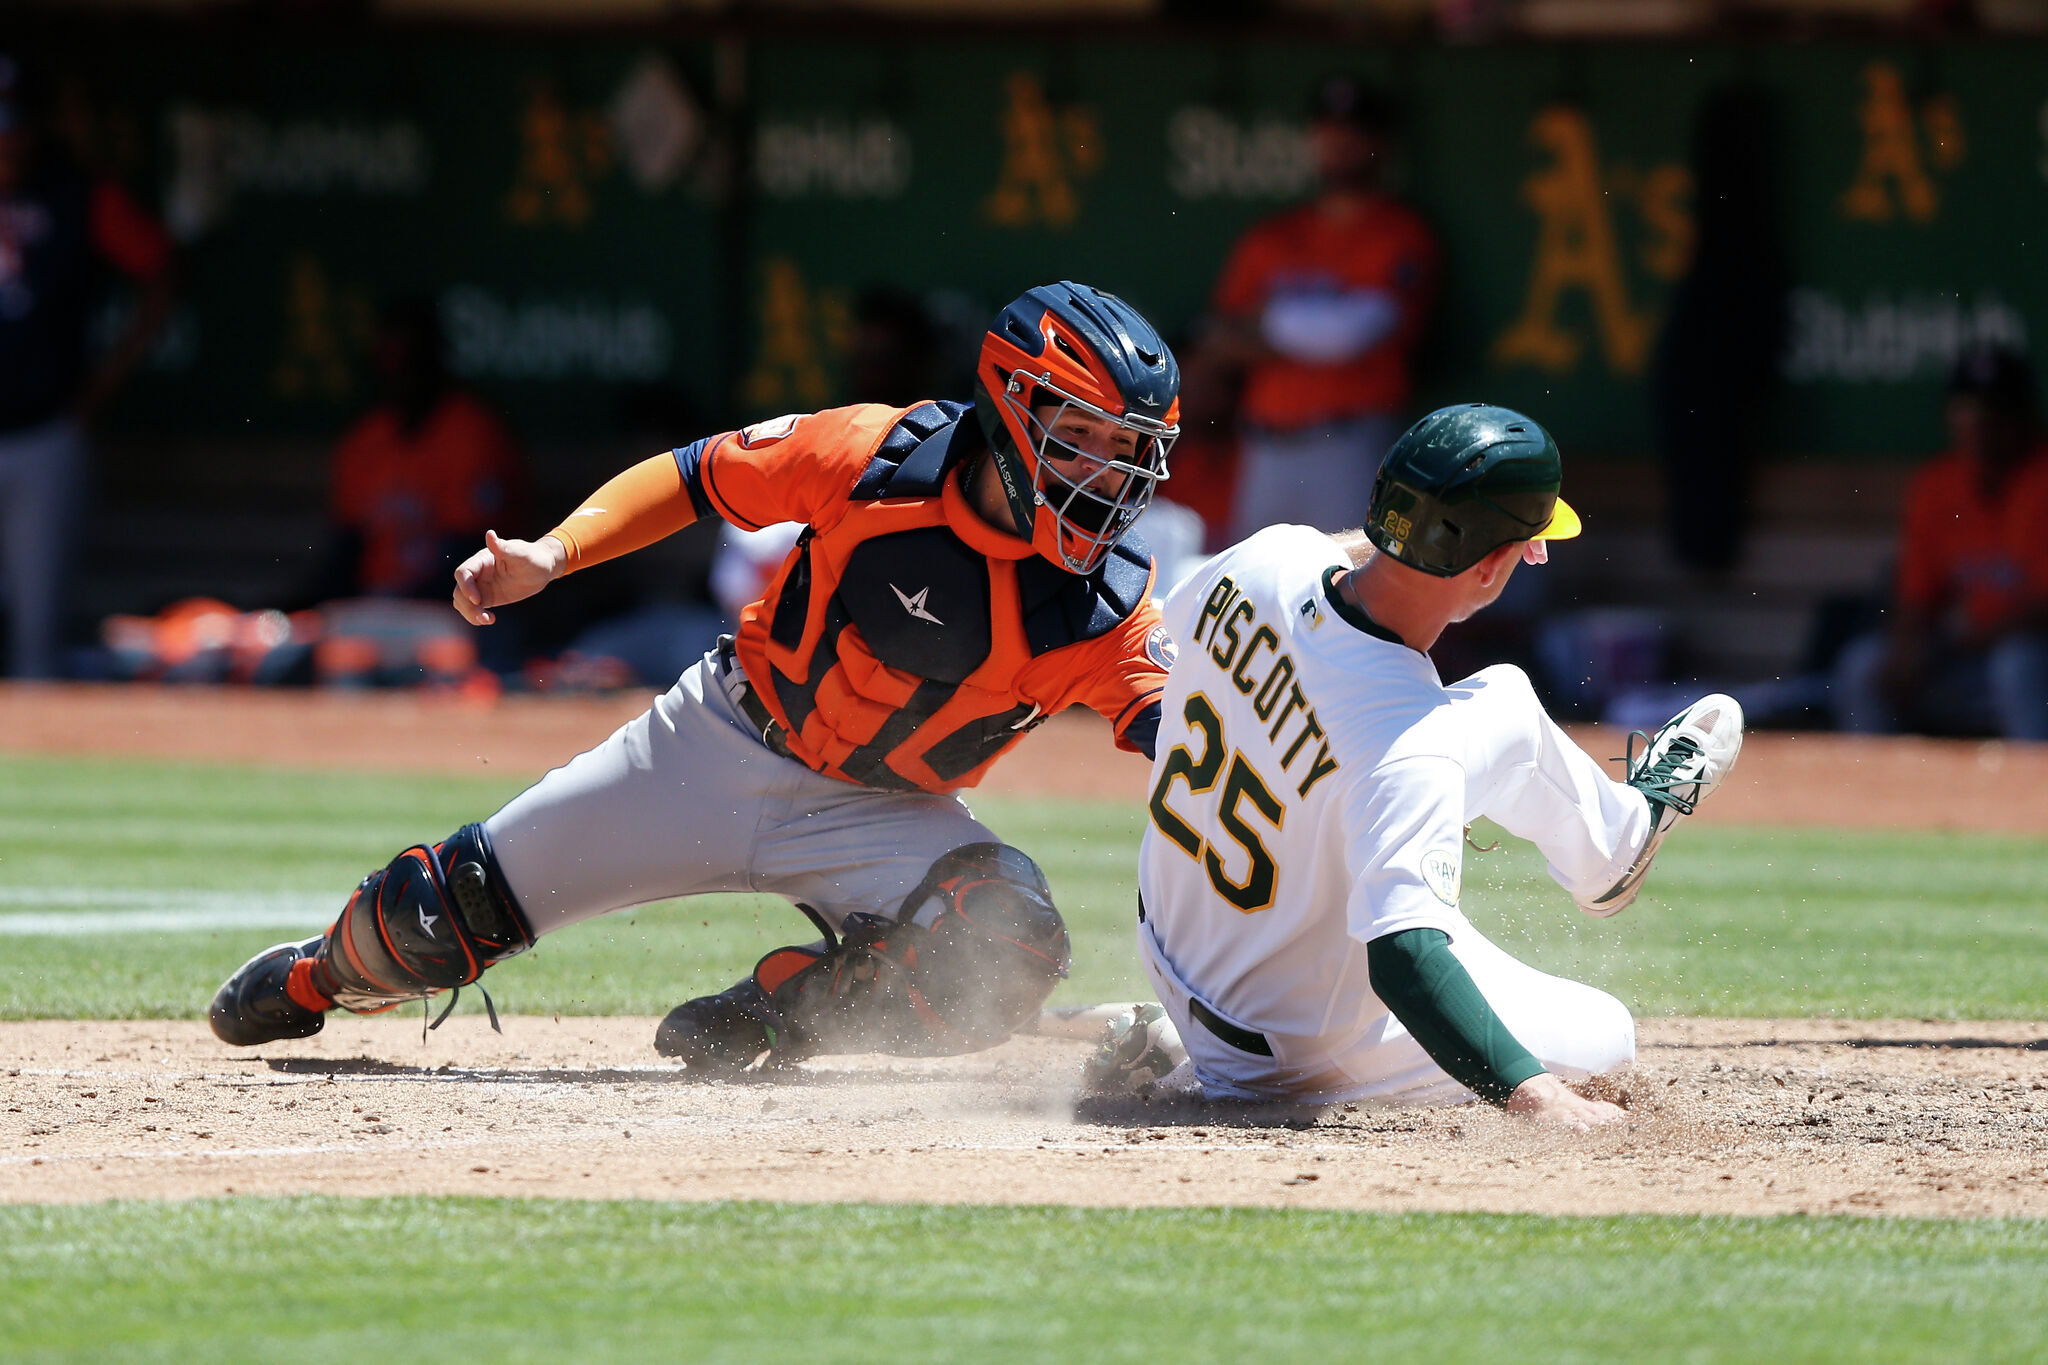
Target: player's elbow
(1395, 965)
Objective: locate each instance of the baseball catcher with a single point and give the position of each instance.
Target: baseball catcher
(960, 577)
(1300, 877)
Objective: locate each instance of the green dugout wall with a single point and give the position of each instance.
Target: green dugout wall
(604, 217)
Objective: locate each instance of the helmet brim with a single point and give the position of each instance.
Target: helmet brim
(1563, 525)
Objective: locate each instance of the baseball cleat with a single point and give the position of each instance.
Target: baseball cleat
(253, 1006)
(1678, 768)
(1138, 1049)
(726, 1034)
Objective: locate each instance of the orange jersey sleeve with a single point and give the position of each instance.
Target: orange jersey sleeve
(1127, 689)
(630, 511)
(1121, 675)
(794, 468)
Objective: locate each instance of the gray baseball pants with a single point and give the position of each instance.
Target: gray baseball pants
(685, 799)
(42, 470)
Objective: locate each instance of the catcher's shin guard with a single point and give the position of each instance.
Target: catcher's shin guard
(972, 954)
(430, 921)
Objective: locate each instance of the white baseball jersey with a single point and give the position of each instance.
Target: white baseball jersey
(1302, 769)
(1313, 783)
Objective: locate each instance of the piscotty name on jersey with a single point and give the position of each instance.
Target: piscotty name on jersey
(1239, 644)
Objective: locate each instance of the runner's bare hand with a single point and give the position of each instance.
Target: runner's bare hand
(505, 571)
(1545, 1099)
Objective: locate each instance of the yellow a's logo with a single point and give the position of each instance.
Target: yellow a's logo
(1044, 151)
(322, 324)
(1892, 177)
(561, 155)
(799, 328)
(1578, 250)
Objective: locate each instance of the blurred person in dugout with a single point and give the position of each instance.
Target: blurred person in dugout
(63, 234)
(1966, 648)
(415, 482)
(1319, 309)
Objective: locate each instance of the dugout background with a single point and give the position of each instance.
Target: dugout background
(676, 220)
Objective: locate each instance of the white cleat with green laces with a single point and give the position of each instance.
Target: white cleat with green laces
(1678, 767)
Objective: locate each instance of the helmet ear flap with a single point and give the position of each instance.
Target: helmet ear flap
(1459, 484)
(1006, 447)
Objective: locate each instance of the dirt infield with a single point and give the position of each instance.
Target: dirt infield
(1729, 1117)
(1784, 779)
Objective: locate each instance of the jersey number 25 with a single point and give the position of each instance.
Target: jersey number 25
(1242, 784)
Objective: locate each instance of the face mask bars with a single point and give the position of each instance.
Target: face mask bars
(1094, 519)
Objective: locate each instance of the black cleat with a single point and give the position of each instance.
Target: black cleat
(724, 1034)
(252, 1007)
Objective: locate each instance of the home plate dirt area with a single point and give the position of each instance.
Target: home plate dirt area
(1728, 1116)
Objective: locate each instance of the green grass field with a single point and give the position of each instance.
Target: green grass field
(310, 1280)
(1735, 921)
(106, 867)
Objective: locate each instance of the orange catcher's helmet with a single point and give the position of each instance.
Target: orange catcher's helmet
(1060, 351)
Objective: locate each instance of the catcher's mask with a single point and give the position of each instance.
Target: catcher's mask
(1076, 350)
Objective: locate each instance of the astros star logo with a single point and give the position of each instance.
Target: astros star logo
(914, 603)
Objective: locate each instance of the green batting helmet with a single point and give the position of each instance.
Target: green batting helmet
(1463, 482)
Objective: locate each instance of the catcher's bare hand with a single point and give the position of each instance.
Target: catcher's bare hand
(505, 571)
(1543, 1098)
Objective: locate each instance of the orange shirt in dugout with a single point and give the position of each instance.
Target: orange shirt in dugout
(1306, 251)
(1986, 559)
(408, 492)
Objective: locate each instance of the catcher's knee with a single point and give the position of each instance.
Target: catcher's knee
(430, 920)
(970, 957)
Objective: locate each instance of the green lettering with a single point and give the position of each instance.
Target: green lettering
(1313, 728)
(1219, 598)
(1294, 702)
(1320, 768)
(1241, 612)
(1244, 684)
(1273, 688)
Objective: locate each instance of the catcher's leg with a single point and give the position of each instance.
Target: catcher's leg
(429, 921)
(968, 958)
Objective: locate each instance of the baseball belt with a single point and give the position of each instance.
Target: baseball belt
(734, 680)
(1243, 1039)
